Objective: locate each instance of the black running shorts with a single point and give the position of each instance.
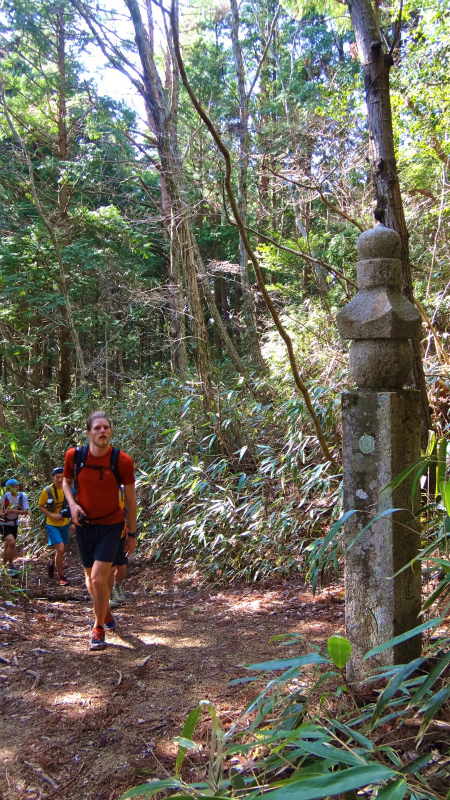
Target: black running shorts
(7, 529)
(98, 542)
(121, 558)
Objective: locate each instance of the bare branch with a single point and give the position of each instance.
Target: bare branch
(232, 200)
(269, 39)
(118, 59)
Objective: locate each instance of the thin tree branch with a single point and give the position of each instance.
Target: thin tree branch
(115, 61)
(312, 260)
(232, 200)
(319, 191)
(269, 39)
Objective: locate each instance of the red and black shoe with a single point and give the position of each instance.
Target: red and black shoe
(98, 639)
(110, 622)
(62, 581)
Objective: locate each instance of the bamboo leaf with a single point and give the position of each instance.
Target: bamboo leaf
(435, 673)
(444, 584)
(242, 452)
(339, 650)
(433, 623)
(186, 734)
(332, 784)
(393, 791)
(151, 788)
(430, 708)
(394, 685)
(285, 663)
(446, 497)
(442, 462)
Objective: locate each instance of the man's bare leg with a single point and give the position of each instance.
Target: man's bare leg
(111, 579)
(60, 549)
(9, 552)
(98, 588)
(121, 571)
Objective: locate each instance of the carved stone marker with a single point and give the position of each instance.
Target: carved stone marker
(381, 438)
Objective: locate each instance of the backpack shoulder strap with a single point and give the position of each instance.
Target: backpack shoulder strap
(50, 494)
(79, 460)
(114, 464)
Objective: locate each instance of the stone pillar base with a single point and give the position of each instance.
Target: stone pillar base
(381, 438)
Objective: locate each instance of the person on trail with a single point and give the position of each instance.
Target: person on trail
(119, 568)
(14, 504)
(53, 504)
(96, 471)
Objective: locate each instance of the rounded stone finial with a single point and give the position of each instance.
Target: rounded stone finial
(379, 242)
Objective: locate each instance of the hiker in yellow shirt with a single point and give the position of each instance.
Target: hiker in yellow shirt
(53, 504)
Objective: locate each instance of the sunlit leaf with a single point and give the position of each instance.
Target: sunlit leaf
(339, 650)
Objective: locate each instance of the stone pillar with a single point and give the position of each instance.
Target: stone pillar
(381, 438)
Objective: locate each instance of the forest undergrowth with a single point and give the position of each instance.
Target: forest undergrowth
(245, 494)
(240, 494)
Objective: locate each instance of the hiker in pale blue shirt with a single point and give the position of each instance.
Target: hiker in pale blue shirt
(14, 504)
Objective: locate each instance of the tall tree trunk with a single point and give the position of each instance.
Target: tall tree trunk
(244, 143)
(65, 360)
(376, 65)
(218, 299)
(162, 109)
(165, 126)
(46, 365)
(64, 364)
(177, 329)
(226, 307)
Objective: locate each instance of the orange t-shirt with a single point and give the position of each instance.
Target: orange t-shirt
(97, 488)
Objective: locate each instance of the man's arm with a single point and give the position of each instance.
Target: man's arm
(23, 503)
(51, 514)
(75, 509)
(131, 506)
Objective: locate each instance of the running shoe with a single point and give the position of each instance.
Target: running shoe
(110, 622)
(120, 596)
(62, 580)
(98, 639)
(13, 572)
(113, 601)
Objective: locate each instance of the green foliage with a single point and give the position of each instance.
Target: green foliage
(247, 513)
(307, 736)
(240, 494)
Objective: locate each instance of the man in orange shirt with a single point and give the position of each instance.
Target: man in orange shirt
(97, 514)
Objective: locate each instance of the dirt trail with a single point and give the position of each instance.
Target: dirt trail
(90, 725)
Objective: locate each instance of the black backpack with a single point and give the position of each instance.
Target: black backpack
(53, 501)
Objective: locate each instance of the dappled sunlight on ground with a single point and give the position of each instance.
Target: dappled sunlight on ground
(99, 723)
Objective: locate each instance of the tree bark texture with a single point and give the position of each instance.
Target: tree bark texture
(376, 65)
(218, 300)
(177, 328)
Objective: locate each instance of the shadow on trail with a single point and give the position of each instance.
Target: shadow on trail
(102, 722)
